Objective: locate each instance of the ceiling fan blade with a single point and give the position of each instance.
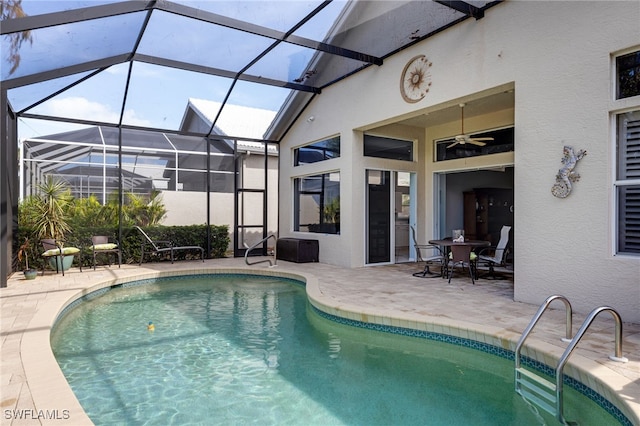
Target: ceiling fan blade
(462, 139)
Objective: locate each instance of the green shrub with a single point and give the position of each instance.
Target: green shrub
(131, 243)
(192, 235)
(56, 213)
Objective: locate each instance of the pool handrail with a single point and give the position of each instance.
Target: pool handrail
(541, 385)
(543, 307)
(275, 250)
(617, 356)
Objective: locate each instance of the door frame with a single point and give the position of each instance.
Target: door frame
(393, 176)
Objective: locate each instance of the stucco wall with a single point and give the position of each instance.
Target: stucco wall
(557, 56)
(190, 208)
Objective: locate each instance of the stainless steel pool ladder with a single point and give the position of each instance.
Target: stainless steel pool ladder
(275, 249)
(542, 392)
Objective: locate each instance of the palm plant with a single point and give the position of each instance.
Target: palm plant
(50, 209)
(85, 212)
(109, 213)
(137, 209)
(143, 210)
(155, 209)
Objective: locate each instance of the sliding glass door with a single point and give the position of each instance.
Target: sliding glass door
(389, 212)
(378, 216)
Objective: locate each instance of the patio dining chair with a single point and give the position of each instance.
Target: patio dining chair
(55, 252)
(430, 255)
(463, 256)
(495, 256)
(102, 244)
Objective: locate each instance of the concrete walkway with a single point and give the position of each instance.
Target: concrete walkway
(33, 386)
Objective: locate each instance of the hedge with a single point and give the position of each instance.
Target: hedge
(193, 235)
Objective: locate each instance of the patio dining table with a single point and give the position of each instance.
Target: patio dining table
(447, 243)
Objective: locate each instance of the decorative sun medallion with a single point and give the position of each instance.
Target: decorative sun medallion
(415, 80)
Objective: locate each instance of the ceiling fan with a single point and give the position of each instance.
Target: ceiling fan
(463, 139)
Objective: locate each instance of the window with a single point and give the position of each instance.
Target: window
(628, 182)
(447, 149)
(393, 149)
(317, 151)
(628, 75)
(317, 203)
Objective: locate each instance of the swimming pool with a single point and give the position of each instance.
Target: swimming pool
(231, 350)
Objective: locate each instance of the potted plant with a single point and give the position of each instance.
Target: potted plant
(50, 208)
(23, 252)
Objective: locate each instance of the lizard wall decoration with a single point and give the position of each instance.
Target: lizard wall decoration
(566, 175)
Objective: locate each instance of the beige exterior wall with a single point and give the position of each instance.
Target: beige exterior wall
(558, 58)
(253, 175)
(190, 208)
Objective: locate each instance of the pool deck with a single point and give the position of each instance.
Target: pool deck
(34, 388)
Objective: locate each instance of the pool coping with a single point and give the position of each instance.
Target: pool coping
(50, 390)
(581, 369)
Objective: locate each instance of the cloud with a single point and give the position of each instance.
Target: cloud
(82, 108)
(33, 128)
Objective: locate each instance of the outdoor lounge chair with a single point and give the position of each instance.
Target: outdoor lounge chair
(103, 244)
(55, 251)
(429, 254)
(499, 254)
(159, 247)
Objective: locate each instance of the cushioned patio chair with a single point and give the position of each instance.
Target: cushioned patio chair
(159, 247)
(495, 256)
(102, 244)
(53, 248)
(430, 255)
(463, 256)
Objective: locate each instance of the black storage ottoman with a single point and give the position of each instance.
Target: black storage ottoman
(297, 250)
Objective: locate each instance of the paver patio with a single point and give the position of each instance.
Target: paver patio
(384, 293)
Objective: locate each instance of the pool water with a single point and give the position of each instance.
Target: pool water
(233, 349)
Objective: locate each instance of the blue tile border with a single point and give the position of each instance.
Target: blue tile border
(487, 348)
(429, 335)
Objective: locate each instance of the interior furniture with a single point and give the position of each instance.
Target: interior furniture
(430, 255)
(55, 252)
(161, 246)
(495, 256)
(102, 244)
(297, 250)
(486, 210)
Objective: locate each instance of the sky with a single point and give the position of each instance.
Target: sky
(157, 96)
